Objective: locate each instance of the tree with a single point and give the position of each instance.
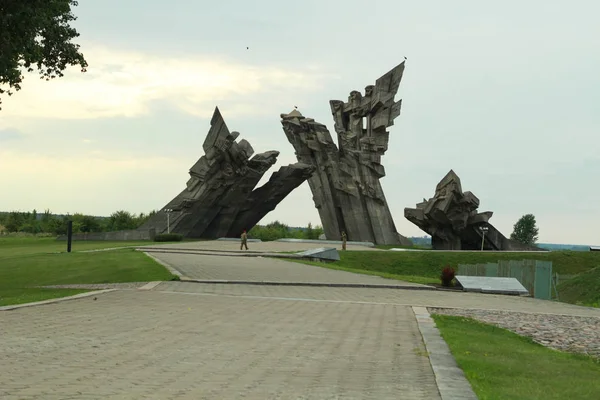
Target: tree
(121, 221)
(312, 233)
(85, 223)
(36, 33)
(525, 230)
(14, 221)
(309, 232)
(46, 220)
(58, 225)
(143, 218)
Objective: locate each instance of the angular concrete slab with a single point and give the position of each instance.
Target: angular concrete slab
(322, 253)
(330, 242)
(484, 284)
(345, 184)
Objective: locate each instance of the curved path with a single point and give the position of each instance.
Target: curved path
(263, 269)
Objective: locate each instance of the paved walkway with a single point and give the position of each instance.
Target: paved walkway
(185, 340)
(226, 245)
(154, 345)
(397, 297)
(223, 268)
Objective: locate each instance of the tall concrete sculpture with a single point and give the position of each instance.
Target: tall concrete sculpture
(220, 199)
(345, 186)
(452, 220)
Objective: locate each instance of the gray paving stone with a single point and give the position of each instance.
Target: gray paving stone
(441, 299)
(275, 246)
(154, 345)
(221, 268)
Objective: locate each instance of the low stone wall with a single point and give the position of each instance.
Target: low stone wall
(114, 236)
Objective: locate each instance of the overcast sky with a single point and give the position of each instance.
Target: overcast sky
(506, 94)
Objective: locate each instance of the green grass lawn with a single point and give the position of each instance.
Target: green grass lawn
(425, 266)
(11, 246)
(28, 262)
(502, 365)
(395, 246)
(584, 289)
(372, 270)
(31, 295)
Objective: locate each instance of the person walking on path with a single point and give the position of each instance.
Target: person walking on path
(344, 238)
(244, 240)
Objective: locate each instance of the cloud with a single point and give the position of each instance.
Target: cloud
(99, 183)
(94, 182)
(10, 134)
(121, 83)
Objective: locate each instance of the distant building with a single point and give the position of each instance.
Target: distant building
(594, 248)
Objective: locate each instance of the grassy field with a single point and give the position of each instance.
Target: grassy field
(29, 262)
(395, 246)
(502, 365)
(424, 276)
(20, 246)
(427, 265)
(584, 289)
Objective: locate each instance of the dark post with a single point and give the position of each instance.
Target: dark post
(69, 235)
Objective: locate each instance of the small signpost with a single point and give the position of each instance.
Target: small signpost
(69, 235)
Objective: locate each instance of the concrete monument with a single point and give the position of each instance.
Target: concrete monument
(220, 199)
(345, 186)
(452, 220)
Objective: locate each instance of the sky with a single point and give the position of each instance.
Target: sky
(505, 94)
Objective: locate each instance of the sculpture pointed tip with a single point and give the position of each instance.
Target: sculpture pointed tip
(295, 113)
(452, 173)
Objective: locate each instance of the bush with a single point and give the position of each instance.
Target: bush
(277, 230)
(168, 237)
(447, 277)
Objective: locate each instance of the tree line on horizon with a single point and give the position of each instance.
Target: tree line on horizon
(525, 229)
(32, 222)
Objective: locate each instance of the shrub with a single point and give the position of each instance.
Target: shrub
(277, 230)
(168, 237)
(447, 276)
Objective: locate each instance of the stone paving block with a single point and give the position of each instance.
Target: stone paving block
(148, 344)
(324, 253)
(274, 246)
(441, 299)
(258, 269)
